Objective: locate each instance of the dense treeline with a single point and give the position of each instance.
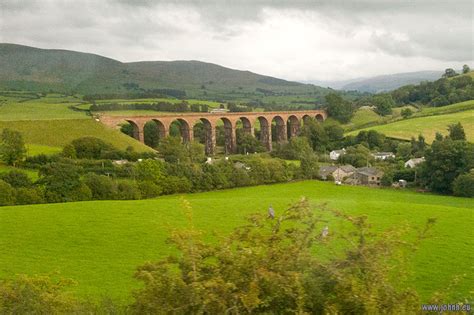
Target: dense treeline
(159, 106)
(137, 93)
(85, 171)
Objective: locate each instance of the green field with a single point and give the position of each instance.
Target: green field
(53, 106)
(48, 136)
(427, 126)
(100, 243)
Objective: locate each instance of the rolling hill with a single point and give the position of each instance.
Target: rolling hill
(427, 122)
(381, 83)
(34, 69)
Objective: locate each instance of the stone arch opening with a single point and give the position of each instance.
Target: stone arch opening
(180, 128)
(208, 135)
(293, 126)
(153, 132)
(230, 140)
(319, 118)
(131, 128)
(279, 133)
(265, 132)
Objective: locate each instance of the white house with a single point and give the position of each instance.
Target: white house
(411, 163)
(383, 155)
(335, 154)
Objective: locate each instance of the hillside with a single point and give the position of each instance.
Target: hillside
(28, 68)
(99, 244)
(385, 83)
(427, 122)
(380, 83)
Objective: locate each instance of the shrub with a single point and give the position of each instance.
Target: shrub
(128, 190)
(174, 184)
(36, 295)
(16, 179)
(28, 196)
(102, 187)
(7, 194)
(149, 189)
(90, 147)
(463, 185)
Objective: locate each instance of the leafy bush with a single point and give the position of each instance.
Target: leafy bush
(16, 179)
(28, 196)
(7, 194)
(463, 185)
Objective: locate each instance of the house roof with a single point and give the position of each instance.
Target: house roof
(383, 153)
(347, 168)
(339, 151)
(326, 170)
(369, 171)
(416, 160)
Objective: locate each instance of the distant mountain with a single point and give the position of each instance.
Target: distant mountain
(384, 83)
(381, 83)
(23, 67)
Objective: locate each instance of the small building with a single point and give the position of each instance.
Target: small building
(219, 110)
(369, 176)
(120, 162)
(335, 154)
(339, 173)
(383, 155)
(411, 163)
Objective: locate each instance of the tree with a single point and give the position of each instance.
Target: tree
(172, 150)
(16, 179)
(269, 267)
(90, 147)
(294, 149)
(7, 194)
(338, 108)
(28, 196)
(465, 69)
(406, 112)
(62, 183)
(357, 156)
(12, 147)
(456, 132)
(463, 185)
(449, 73)
(444, 161)
(246, 143)
(102, 187)
(316, 135)
(151, 170)
(383, 104)
(309, 166)
(404, 150)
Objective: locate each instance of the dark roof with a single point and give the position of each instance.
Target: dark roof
(369, 171)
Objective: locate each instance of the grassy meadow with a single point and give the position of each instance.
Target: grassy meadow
(99, 244)
(427, 126)
(48, 136)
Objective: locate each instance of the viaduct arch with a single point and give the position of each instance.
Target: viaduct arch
(288, 124)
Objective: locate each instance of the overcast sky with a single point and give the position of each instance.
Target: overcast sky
(294, 40)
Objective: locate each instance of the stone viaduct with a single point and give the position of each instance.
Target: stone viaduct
(287, 123)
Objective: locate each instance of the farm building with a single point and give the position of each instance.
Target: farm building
(335, 154)
(411, 163)
(383, 155)
(337, 172)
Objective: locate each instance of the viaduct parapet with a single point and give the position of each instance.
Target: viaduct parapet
(287, 124)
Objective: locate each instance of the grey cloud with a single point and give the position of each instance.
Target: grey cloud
(438, 31)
